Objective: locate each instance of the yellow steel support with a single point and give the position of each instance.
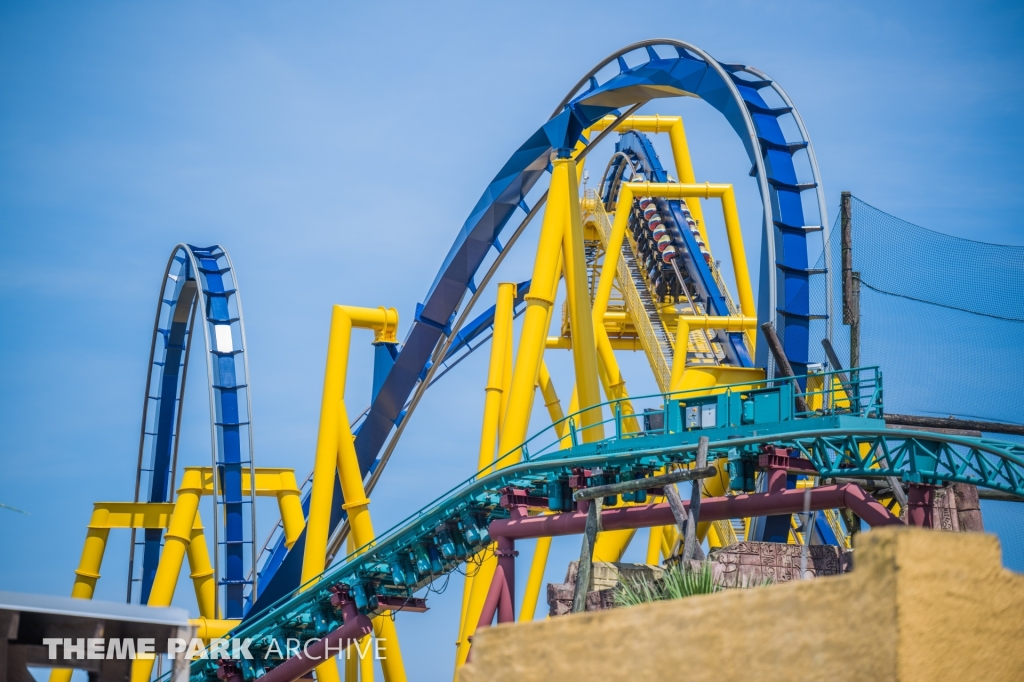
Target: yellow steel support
(615, 384)
(630, 343)
(612, 544)
(365, 654)
(108, 515)
(673, 125)
(725, 193)
(202, 573)
(566, 439)
(539, 562)
(506, 374)
(213, 628)
(351, 666)
(679, 359)
(566, 199)
(534, 328)
(498, 377)
(525, 375)
(654, 545)
(551, 401)
(333, 434)
(495, 391)
(176, 541)
(184, 536)
(336, 456)
(667, 540)
(270, 482)
(88, 571)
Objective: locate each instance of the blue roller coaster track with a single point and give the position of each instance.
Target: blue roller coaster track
(199, 281)
(666, 68)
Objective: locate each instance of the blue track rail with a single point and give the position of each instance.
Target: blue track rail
(670, 69)
(200, 282)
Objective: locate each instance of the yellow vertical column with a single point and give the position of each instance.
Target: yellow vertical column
(336, 455)
(543, 547)
(325, 464)
(536, 316)
(176, 541)
(495, 398)
(684, 169)
(584, 349)
(506, 375)
(201, 572)
(88, 571)
(498, 376)
(357, 506)
(326, 459)
(351, 655)
(536, 320)
(679, 357)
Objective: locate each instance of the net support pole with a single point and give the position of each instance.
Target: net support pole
(846, 236)
(851, 279)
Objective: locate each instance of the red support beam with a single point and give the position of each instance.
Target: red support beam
(355, 627)
(499, 599)
(848, 496)
(506, 553)
(920, 499)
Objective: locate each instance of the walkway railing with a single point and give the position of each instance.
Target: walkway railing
(857, 393)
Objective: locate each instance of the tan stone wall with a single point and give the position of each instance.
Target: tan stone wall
(920, 605)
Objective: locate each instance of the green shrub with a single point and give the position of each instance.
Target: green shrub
(678, 581)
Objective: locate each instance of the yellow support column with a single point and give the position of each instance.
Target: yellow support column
(551, 401)
(351, 665)
(201, 572)
(335, 455)
(357, 505)
(584, 345)
(654, 545)
(176, 541)
(539, 562)
(88, 571)
(498, 376)
(330, 438)
(495, 399)
(289, 502)
(673, 126)
(506, 373)
(679, 358)
(615, 388)
(536, 320)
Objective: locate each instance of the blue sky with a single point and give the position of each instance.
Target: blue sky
(335, 149)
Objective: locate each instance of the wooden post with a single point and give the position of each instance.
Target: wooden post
(851, 279)
(593, 527)
(846, 236)
(855, 322)
(837, 366)
(691, 549)
(782, 362)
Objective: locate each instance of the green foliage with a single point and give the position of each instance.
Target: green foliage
(678, 581)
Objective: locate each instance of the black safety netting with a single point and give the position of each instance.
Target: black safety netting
(943, 318)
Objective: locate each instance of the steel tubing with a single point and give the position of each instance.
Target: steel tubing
(356, 627)
(848, 496)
